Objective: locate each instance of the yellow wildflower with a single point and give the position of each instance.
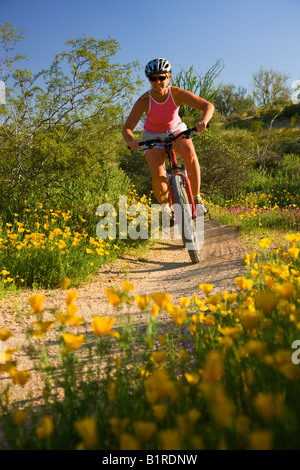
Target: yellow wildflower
(46, 429)
(144, 430)
(206, 288)
(192, 378)
(20, 377)
(128, 442)
(103, 325)
(161, 298)
(261, 440)
(180, 316)
(170, 440)
(266, 301)
(184, 302)
(114, 296)
(155, 310)
(158, 356)
(160, 411)
(127, 286)
(73, 341)
(5, 334)
(142, 301)
(66, 283)
(244, 283)
(285, 290)
(19, 417)
(265, 242)
(71, 297)
(87, 430)
(36, 302)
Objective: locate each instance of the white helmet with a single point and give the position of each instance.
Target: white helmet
(156, 66)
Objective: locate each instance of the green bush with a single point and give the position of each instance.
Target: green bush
(256, 126)
(225, 164)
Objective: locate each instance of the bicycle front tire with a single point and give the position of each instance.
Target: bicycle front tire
(187, 225)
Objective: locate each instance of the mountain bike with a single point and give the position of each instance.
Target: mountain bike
(188, 217)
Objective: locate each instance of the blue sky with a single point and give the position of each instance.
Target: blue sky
(245, 34)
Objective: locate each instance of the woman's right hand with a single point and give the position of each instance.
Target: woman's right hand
(133, 144)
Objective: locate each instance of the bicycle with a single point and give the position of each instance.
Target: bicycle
(180, 193)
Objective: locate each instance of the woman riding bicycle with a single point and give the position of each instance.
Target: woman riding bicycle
(161, 105)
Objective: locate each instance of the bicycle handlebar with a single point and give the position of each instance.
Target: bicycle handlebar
(171, 138)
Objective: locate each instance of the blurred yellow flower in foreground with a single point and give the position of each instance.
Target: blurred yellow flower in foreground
(103, 325)
(114, 296)
(71, 297)
(161, 299)
(265, 242)
(244, 283)
(19, 417)
(20, 377)
(180, 316)
(266, 301)
(66, 283)
(36, 302)
(87, 430)
(142, 301)
(73, 341)
(144, 430)
(46, 428)
(261, 440)
(170, 439)
(206, 288)
(43, 327)
(127, 286)
(184, 302)
(285, 290)
(5, 334)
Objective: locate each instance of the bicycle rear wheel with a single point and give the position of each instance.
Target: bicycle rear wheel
(183, 215)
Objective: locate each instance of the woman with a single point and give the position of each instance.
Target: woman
(161, 105)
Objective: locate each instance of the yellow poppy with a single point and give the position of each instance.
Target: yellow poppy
(66, 283)
(103, 325)
(19, 417)
(206, 288)
(36, 302)
(87, 430)
(46, 428)
(20, 377)
(144, 430)
(5, 334)
(114, 296)
(161, 299)
(71, 297)
(73, 341)
(142, 301)
(127, 286)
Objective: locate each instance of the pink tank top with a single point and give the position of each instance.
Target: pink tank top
(162, 117)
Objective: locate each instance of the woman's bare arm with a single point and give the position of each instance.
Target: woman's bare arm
(139, 108)
(190, 99)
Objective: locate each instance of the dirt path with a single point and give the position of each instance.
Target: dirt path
(166, 267)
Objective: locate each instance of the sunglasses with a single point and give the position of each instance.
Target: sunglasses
(160, 79)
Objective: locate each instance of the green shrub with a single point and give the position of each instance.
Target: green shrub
(225, 164)
(256, 126)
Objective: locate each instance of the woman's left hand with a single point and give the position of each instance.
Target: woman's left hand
(201, 126)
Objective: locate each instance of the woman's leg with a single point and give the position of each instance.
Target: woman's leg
(156, 161)
(187, 151)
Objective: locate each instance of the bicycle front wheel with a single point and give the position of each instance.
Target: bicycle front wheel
(183, 216)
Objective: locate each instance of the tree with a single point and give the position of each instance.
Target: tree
(60, 122)
(231, 100)
(269, 88)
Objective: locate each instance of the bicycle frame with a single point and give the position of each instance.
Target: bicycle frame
(175, 169)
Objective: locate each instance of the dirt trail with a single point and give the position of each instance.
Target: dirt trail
(166, 267)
